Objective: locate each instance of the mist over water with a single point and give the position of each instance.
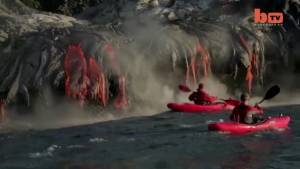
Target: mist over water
(69, 113)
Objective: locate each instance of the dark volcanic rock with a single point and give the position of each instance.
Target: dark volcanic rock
(157, 39)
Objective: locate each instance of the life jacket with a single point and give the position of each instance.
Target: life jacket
(240, 112)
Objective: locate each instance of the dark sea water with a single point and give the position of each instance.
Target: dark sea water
(166, 141)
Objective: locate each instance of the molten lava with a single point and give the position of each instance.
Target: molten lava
(193, 66)
(194, 69)
(249, 78)
(253, 63)
(84, 80)
(121, 101)
(97, 82)
(76, 78)
(205, 58)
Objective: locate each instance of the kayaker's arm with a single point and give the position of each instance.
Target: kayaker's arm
(208, 98)
(193, 96)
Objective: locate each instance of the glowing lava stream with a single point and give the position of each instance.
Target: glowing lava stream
(253, 64)
(88, 81)
(205, 62)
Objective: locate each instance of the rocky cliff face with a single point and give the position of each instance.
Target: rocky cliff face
(153, 44)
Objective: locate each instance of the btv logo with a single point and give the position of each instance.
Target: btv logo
(272, 17)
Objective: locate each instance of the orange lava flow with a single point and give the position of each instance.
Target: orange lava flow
(98, 82)
(250, 70)
(194, 68)
(102, 95)
(88, 81)
(249, 78)
(253, 64)
(121, 101)
(76, 79)
(205, 59)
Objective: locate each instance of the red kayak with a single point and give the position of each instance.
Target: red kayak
(228, 104)
(277, 123)
(194, 108)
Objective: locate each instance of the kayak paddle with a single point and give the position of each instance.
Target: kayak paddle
(184, 88)
(272, 92)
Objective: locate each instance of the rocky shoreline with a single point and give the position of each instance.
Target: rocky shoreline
(184, 41)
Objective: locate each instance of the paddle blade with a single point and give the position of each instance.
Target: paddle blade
(184, 88)
(273, 91)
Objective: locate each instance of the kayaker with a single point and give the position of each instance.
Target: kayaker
(244, 113)
(200, 97)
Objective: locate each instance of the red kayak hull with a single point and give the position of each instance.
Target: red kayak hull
(276, 123)
(194, 108)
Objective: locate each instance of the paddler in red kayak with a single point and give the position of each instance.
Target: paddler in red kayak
(200, 97)
(244, 113)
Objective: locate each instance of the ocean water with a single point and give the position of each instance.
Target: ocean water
(170, 140)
